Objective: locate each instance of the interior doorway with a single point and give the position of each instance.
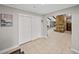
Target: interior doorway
(60, 23)
(60, 31)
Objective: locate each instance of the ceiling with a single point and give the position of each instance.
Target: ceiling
(40, 9)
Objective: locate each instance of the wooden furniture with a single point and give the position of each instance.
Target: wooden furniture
(68, 26)
(60, 23)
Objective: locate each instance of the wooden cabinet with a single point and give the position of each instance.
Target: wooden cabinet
(60, 23)
(68, 26)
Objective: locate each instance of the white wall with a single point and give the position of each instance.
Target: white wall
(44, 26)
(74, 11)
(9, 36)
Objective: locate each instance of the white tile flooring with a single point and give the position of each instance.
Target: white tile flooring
(55, 43)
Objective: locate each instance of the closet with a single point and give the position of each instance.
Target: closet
(35, 27)
(24, 28)
(29, 28)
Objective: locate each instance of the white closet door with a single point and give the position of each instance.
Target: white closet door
(36, 27)
(24, 29)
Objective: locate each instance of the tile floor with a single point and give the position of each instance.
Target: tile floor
(55, 43)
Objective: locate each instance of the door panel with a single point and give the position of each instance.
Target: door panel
(24, 29)
(36, 27)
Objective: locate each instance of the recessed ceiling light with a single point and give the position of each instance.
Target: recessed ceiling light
(34, 6)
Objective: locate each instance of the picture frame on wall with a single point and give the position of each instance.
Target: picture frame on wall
(6, 20)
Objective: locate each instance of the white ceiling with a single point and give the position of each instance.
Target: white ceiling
(40, 8)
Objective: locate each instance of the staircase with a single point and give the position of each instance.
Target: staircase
(18, 51)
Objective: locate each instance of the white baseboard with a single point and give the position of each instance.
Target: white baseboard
(74, 50)
(6, 51)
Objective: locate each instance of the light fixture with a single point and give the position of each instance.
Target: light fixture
(34, 6)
